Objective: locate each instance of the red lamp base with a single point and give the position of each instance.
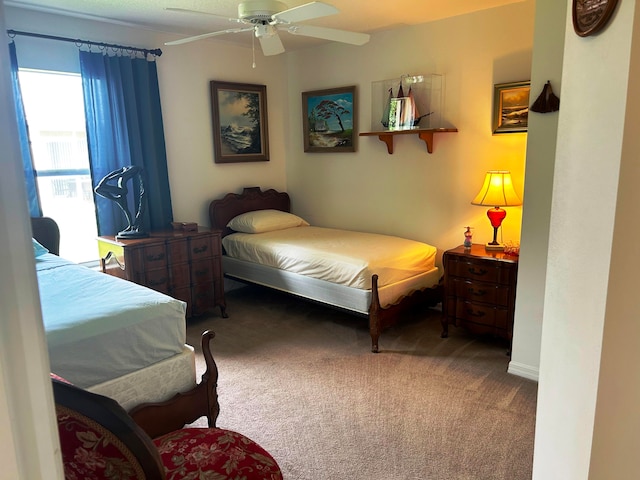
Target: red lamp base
(496, 215)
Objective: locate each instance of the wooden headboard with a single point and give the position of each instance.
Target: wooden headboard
(251, 198)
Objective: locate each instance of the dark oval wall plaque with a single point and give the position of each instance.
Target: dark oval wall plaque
(590, 16)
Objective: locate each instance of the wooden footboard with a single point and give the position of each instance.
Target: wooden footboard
(162, 417)
(382, 318)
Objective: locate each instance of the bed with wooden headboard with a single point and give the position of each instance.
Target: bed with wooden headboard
(378, 284)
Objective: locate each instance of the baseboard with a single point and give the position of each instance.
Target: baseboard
(523, 370)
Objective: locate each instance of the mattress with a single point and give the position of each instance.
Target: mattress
(99, 327)
(341, 296)
(341, 257)
(156, 383)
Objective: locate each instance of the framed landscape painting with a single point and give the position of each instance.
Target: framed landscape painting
(511, 107)
(240, 130)
(329, 120)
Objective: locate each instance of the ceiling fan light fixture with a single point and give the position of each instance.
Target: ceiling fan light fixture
(265, 31)
(259, 11)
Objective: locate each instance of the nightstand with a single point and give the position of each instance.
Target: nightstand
(184, 264)
(479, 291)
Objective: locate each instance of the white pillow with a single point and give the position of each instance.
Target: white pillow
(260, 221)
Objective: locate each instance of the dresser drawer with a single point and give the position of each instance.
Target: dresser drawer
(202, 271)
(157, 279)
(485, 271)
(480, 314)
(155, 256)
(183, 264)
(202, 298)
(178, 251)
(199, 248)
(481, 292)
(180, 276)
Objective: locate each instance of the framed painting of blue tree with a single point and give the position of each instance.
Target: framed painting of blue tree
(330, 120)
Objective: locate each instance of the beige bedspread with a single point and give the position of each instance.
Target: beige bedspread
(338, 256)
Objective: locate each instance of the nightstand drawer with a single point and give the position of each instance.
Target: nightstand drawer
(482, 314)
(481, 292)
(486, 271)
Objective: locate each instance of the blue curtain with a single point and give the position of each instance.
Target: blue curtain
(33, 198)
(124, 127)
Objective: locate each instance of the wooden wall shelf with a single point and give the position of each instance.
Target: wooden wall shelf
(425, 134)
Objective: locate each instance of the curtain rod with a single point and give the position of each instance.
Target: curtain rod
(157, 52)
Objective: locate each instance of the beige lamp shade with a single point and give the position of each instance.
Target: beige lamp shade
(497, 190)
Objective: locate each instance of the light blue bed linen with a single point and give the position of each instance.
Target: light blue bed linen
(99, 327)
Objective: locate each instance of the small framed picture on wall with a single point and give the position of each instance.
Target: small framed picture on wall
(511, 107)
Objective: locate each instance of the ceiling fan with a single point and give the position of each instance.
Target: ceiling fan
(266, 17)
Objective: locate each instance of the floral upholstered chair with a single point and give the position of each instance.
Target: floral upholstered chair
(100, 440)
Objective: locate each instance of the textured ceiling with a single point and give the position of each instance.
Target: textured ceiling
(366, 16)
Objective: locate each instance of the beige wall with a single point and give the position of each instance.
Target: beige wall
(409, 193)
(548, 50)
(589, 389)
(412, 193)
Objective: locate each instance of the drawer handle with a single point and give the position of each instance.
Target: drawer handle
(200, 250)
(155, 258)
(200, 273)
(475, 314)
(480, 272)
(157, 282)
(477, 293)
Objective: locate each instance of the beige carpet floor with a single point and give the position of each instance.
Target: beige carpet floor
(299, 379)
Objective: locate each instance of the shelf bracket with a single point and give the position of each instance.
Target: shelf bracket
(388, 139)
(428, 139)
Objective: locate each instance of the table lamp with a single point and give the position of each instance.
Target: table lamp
(497, 191)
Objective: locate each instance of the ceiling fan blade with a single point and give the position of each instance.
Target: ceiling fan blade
(343, 36)
(207, 35)
(271, 45)
(304, 12)
(198, 12)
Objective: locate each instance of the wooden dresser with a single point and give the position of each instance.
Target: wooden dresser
(185, 265)
(479, 290)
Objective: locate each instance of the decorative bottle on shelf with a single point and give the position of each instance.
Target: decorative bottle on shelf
(467, 237)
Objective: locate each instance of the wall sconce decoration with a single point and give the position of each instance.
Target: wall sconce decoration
(497, 191)
(547, 101)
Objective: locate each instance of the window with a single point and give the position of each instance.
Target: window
(55, 114)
